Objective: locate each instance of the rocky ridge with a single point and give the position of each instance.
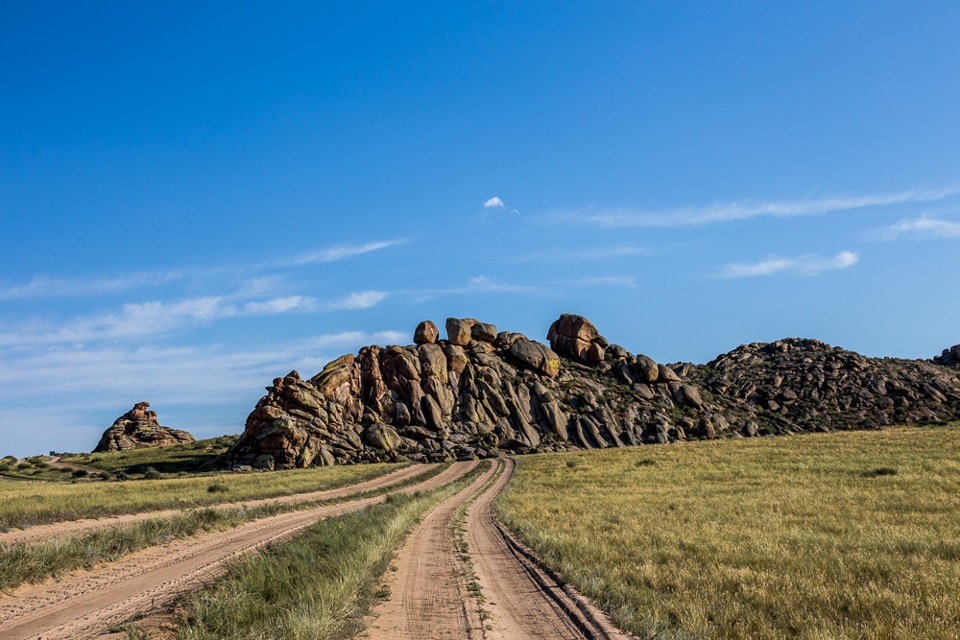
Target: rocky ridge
(481, 393)
(138, 429)
(949, 357)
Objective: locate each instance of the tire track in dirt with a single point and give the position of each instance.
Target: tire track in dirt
(428, 597)
(40, 533)
(522, 598)
(85, 604)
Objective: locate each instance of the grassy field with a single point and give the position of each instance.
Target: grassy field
(844, 535)
(175, 458)
(180, 459)
(316, 585)
(52, 558)
(26, 503)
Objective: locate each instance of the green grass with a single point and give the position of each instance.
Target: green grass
(846, 535)
(28, 503)
(317, 585)
(52, 558)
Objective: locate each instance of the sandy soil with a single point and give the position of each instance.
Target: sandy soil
(430, 599)
(37, 534)
(86, 604)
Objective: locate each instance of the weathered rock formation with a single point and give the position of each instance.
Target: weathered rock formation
(482, 392)
(138, 429)
(949, 357)
(797, 385)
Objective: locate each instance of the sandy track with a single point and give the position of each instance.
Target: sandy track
(86, 604)
(428, 598)
(37, 534)
(522, 598)
(522, 601)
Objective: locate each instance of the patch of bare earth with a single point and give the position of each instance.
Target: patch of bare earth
(87, 604)
(37, 534)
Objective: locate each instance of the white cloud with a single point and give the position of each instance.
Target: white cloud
(279, 305)
(808, 265)
(615, 218)
(41, 287)
(600, 281)
(584, 255)
(495, 201)
(357, 300)
(206, 389)
(47, 287)
(340, 252)
(924, 227)
(137, 320)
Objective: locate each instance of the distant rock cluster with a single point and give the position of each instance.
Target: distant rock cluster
(138, 429)
(949, 357)
(482, 393)
(806, 385)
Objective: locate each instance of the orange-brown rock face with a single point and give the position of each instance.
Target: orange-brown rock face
(137, 429)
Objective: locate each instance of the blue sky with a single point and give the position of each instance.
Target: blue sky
(196, 199)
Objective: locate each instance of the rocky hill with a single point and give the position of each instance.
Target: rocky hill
(482, 392)
(138, 429)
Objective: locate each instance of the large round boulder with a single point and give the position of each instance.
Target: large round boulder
(536, 357)
(426, 333)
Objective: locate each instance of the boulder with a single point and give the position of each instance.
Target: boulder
(382, 436)
(535, 356)
(949, 357)
(426, 333)
(458, 331)
(483, 332)
(575, 337)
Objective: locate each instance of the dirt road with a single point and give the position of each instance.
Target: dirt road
(86, 604)
(39, 533)
(524, 600)
(431, 600)
(428, 596)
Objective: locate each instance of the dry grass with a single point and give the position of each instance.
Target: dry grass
(846, 535)
(318, 584)
(54, 557)
(26, 503)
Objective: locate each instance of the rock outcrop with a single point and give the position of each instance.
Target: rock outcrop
(481, 393)
(138, 429)
(796, 385)
(950, 357)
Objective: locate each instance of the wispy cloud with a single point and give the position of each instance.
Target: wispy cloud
(583, 255)
(47, 287)
(614, 218)
(495, 201)
(137, 320)
(599, 281)
(208, 389)
(357, 300)
(340, 252)
(922, 228)
(807, 265)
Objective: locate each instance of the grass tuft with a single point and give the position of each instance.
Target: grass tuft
(881, 471)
